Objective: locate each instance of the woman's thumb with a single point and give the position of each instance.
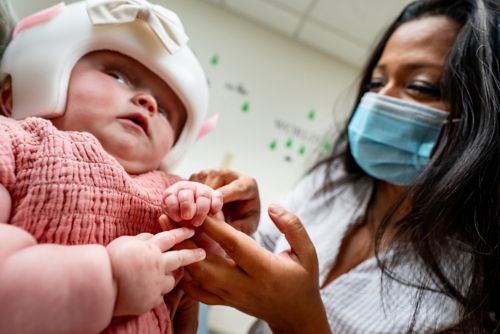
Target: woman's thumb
(296, 235)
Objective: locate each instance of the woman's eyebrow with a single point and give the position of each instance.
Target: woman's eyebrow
(412, 66)
(380, 67)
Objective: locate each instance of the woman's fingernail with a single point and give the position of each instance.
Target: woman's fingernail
(276, 209)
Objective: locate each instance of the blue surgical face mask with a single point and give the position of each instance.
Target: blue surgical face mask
(392, 139)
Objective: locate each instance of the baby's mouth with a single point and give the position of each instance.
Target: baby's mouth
(139, 120)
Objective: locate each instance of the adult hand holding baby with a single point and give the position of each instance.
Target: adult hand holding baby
(260, 283)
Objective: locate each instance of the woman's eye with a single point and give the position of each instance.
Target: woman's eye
(375, 85)
(120, 77)
(425, 89)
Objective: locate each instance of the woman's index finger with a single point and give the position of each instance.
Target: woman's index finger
(238, 190)
(245, 251)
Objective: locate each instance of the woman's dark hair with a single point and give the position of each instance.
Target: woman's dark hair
(7, 23)
(454, 220)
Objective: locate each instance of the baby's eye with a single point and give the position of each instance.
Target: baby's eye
(163, 112)
(120, 77)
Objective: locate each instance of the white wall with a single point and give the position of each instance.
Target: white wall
(284, 83)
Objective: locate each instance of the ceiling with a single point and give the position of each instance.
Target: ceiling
(344, 29)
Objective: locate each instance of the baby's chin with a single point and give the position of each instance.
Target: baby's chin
(134, 157)
(137, 166)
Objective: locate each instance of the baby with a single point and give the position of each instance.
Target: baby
(102, 98)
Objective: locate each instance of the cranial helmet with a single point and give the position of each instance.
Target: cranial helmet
(47, 45)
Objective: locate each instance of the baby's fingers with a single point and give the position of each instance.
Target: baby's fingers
(208, 201)
(172, 207)
(169, 283)
(144, 236)
(187, 204)
(176, 259)
(217, 202)
(214, 197)
(202, 209)
(166, 240)
(171, 280)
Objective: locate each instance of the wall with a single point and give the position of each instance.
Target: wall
(275, 98)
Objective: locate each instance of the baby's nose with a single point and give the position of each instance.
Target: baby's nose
(146, 101)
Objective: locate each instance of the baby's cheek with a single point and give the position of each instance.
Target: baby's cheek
(166, 137)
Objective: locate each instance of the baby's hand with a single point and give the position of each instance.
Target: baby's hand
(192, 201)
(144, 271)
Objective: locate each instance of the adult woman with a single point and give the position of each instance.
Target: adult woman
(404, 214)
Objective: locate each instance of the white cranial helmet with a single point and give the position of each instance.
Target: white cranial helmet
(47, 45)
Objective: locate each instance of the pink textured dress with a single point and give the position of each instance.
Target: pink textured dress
(67, 190)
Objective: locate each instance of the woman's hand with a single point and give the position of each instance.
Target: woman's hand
(282, 289)
(183, 311)
(240, 196)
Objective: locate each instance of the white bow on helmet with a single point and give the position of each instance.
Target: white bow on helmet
(165, 23)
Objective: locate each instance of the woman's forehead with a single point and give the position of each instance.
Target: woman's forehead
(425, 40)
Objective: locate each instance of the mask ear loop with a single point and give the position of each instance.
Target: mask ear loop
(439, 148)
(453, 120)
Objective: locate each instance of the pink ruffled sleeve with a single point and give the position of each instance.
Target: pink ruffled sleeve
(7, 153)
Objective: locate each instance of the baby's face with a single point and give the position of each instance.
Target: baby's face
(133, 113)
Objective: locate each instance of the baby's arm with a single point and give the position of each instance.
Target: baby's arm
(188, 201)
(46, 288)
(52, 288)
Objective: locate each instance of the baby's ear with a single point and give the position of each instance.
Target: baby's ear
(6, 97)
